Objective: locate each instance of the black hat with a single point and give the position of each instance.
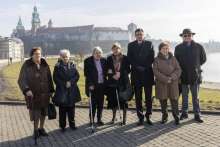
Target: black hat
(187, 31)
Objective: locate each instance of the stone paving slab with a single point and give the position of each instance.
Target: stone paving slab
(16, 131)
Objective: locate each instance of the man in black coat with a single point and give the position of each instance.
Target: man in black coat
(141, 56)
(95, 71)
(191, 55)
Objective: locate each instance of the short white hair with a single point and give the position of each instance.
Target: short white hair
(65, 52)
(97, 48)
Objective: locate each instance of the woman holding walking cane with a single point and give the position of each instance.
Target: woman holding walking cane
(118, 82)
(95, 78)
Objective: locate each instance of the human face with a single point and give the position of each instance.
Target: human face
(37, 56)
(187, 37)
(97, 55)
(139, 36)
(165, 50)
(116, 51)
(65, 58)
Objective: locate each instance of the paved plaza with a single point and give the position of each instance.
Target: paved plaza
(16, 131)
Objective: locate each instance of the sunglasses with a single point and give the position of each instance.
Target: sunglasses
(187, 35)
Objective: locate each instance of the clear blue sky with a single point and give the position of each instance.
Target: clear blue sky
(163, 19)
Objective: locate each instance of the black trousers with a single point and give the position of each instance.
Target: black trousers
(138, 90)
(97, 101)
(66, 111)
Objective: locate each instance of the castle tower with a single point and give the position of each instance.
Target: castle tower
(20, 25)
(20, 30)
(50, 24)
(35, 20)
(131, 28)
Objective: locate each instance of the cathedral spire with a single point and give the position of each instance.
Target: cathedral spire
(35, 20)
(20, 25)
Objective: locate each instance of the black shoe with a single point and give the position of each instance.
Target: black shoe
(149, 122)
(42, 132)
(63, 130)
(140, 123)
(198, 119)
(177, 121)
(35, 136)
(73, 126)
(164, 118)
(100, 123)
(113, 121)
(183, 116)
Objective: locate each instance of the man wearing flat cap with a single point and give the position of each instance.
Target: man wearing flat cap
(191, 55)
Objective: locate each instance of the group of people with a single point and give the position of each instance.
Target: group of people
(118, 77)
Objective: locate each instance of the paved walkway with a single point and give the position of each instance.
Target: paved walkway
(16, 131)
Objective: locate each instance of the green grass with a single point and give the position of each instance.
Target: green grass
(209, 99)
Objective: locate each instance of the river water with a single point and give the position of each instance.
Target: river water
(212, 68)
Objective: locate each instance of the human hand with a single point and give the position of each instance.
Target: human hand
(92, 87)
(29, 93)
(68, 84)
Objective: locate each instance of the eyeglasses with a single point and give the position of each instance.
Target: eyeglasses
(187, 35)
(139, 34)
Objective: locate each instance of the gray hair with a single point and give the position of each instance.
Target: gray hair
(97, 48)
(65, 52)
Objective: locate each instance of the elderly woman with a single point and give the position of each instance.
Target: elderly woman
(95, 78)
(67, 93)
(167, 72)
(36, 83)
(118, 70)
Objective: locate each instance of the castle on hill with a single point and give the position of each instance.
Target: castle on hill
(79, 39)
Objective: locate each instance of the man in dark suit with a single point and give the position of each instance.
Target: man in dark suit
(141, 56)
(95, 71)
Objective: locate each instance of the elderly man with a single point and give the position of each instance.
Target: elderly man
(191, 55)
(95, 71)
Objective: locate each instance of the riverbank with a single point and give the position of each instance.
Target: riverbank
(209, 98)
(211, 85)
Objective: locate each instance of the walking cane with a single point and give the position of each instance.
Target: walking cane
(91, 114)
(119, 109)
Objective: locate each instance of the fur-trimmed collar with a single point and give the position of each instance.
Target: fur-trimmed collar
(31, 62)
(161, 56)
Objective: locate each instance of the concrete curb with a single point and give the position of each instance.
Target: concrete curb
(17, 103)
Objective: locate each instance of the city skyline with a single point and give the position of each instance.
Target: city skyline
(159, 19)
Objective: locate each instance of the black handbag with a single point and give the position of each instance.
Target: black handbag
(127, 93)
(52, 114)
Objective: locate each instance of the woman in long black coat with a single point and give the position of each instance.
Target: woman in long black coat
(118, 80)
(67, 92)
(95, 79)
